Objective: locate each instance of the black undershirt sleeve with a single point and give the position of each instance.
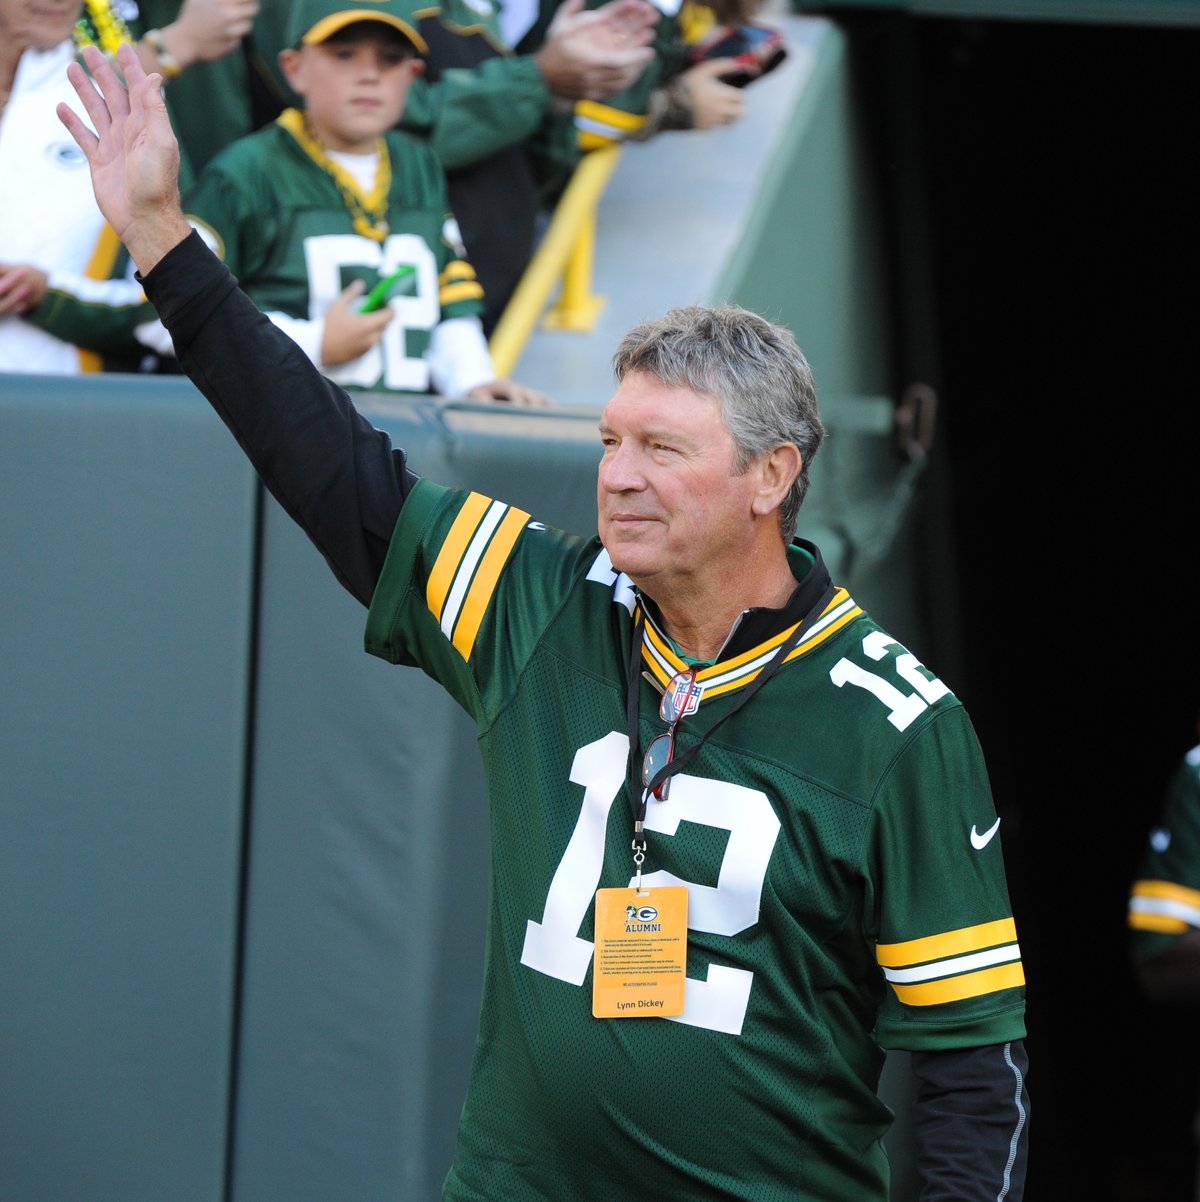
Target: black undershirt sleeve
(330, 469)
(971, 1123)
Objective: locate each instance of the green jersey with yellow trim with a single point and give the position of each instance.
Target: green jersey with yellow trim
(1165, 899)
(297, 230)
(836, 836)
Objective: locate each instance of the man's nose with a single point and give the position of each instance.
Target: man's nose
(619, 470)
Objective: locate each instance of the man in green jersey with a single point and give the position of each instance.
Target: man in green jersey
(741, 840)
(1164, 903)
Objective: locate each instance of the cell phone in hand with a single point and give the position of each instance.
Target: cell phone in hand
(755, 48)
(382, 291)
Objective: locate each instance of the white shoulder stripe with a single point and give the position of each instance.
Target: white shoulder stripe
(1166, 907)
(954, 964)
(467, 565)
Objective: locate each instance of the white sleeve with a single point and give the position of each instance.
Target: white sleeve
(154, 335)
(458, 356)
(116, 292)
(306, 334)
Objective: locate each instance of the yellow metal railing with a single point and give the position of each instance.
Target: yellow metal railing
(566, 253)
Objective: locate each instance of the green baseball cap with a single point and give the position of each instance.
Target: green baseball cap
(313, 21)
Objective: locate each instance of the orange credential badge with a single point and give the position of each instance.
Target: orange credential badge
(638, 969)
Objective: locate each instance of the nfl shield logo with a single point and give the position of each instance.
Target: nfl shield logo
(687, 696)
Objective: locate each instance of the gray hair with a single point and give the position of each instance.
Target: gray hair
(751, 367)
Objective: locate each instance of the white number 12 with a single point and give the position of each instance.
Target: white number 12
(902, 707)
(553, 946)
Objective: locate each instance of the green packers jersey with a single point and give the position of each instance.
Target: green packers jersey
(836, 836)
(1165, 900)
(290, 229)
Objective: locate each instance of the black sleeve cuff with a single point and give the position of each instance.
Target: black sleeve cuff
(971, 1123)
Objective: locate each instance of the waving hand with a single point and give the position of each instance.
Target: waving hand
(132, 153)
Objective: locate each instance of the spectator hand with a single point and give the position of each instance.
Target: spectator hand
(508, 390)
(208, 29)
(347, 332)
(22, 288)
(133, 156)
(712, 102)
(588, 55)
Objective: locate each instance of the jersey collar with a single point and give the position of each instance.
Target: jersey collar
(757, 632)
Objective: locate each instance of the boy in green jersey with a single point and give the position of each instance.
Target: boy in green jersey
(331, 205)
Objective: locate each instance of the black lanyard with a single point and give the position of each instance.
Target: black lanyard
(639, 797)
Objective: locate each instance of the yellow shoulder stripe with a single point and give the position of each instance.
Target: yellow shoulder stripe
(955, 989)
(456, 269)
(1163, 906)
(1167, 889)
(948, 943)
(467, 290)
(1156, 922)
(617, 119)
(953, 965)
(446, 565)
(468, 567)
(484, 585)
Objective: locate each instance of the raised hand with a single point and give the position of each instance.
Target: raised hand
(209, 29)
(592, 54)
(131, 152)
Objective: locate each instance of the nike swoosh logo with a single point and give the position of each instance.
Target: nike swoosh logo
(978, 841)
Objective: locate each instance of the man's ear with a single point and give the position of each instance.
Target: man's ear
(777, 471)
(291, 63)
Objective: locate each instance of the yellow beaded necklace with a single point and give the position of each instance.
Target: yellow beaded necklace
(367, 212)
(101, 25)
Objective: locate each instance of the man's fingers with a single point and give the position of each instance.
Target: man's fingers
(111, 98)
(131, 66)
(141, 94)
(84, 138)
(93, 104)
(146, 103)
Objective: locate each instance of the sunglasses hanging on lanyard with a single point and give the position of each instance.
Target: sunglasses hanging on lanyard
(682, 697)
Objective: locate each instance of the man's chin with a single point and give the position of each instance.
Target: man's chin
(632, 566)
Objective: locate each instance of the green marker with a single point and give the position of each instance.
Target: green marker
(378, 296)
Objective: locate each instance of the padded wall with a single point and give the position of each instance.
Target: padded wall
(126, 538)
(368, 854)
